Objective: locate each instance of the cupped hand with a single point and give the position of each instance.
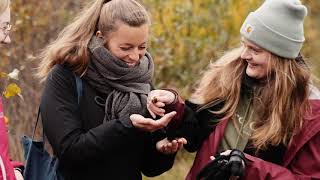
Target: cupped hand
(169, 147)
(151, 125)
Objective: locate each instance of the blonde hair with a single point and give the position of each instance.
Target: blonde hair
(71, 45)
(280, 104)
(4, 4)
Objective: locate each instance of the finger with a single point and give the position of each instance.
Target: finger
(151, 113)
(165, 99)
(160, 104)
(226, 153)
(163, 122)
(182, 140)
(212, 158)
(156, 110)
(175, 146)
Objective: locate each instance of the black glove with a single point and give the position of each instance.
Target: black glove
(222, 167)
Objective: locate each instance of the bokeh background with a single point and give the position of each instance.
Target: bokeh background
(185, 36)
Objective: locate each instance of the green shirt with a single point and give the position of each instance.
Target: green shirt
(237, 138)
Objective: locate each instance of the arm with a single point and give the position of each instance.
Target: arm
(63, 127)
(195, 127)
(155, 162)
(188, 122)
(305, 165)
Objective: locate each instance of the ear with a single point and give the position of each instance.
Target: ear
(99, 34)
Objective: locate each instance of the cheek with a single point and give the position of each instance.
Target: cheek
(117, 52)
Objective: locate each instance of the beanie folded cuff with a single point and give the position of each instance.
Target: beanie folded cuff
(258, 33)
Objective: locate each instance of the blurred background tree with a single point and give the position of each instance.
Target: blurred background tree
(185, 36)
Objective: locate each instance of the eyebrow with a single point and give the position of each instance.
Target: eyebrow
(251, 45)
(128, 44)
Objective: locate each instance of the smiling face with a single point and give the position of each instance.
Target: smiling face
(128, 43)
(257, 58)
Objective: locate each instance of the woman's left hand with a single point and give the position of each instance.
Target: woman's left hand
(151, 125)
(169, 147)
(225, 153)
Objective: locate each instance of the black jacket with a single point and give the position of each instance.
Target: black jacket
(86, 147)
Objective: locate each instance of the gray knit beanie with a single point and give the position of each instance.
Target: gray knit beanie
(277, 26)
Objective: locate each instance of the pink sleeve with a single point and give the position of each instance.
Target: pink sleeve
(17, 164)
(6, 166)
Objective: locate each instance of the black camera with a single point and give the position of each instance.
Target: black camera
(223, 167)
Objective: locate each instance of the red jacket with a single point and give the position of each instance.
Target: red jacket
(6, 165)
(301, 160)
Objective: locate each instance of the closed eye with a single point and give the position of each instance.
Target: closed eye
(125, 48)
(142, 48)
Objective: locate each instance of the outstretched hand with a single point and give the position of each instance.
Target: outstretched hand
(169, 147)
(151, 125)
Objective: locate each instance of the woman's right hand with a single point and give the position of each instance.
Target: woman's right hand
(150, 125)
(157, 99)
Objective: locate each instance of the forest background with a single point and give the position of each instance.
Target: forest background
(185, 36)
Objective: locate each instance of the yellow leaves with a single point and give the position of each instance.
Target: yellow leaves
(12, 75)
(3, 75)
(12, 90)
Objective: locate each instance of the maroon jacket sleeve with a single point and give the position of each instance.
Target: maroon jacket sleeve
(305, 165)
(178, 106)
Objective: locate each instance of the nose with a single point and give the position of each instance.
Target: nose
(245, 54)
(6, 40)
(135, 55)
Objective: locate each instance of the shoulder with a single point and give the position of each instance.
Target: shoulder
(60, 73)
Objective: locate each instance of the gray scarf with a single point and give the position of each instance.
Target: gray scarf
(126, 88)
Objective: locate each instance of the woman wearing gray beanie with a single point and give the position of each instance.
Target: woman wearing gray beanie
(258, 100)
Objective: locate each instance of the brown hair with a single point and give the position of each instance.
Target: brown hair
(71, 45)
(280, 104)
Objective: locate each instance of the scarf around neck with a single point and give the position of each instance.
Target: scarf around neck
(125, 88)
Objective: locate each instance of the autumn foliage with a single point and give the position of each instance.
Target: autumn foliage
(185, 36)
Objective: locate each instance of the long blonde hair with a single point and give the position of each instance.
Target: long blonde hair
(71, 45)
(4, 4)
(280, 104)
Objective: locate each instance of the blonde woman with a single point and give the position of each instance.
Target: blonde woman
(94, 138)
(258, 99)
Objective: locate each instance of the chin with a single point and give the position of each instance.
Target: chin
(252, 74)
